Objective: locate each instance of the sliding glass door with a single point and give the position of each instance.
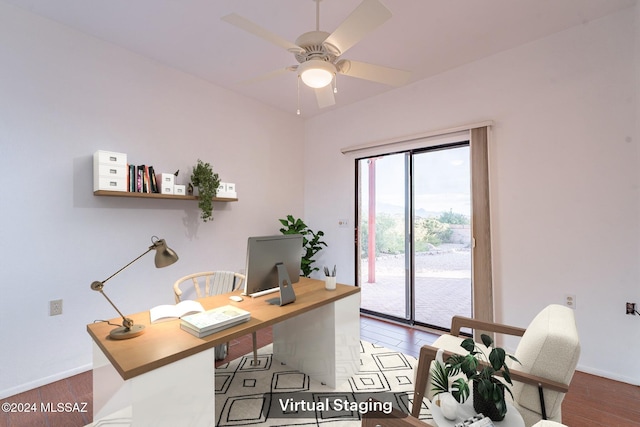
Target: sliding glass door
(414, 235)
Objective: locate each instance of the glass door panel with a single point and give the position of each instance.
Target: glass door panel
(414, 235)
(382, 212)
(442, 240)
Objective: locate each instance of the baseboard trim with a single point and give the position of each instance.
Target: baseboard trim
(608, 375)
(44, 381)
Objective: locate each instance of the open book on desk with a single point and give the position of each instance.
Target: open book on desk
(168, 312)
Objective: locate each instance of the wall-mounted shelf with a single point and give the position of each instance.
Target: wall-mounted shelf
(156, 196)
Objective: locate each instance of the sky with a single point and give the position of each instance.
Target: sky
(441, 181)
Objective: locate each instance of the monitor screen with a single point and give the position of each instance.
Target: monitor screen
(263, 253)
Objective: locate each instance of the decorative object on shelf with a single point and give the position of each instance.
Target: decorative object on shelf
(311, 242)
(330, 278)
(207, 183)
(164, 257)
(486, 373)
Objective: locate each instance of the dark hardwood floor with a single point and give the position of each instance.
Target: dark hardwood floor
(591, 402)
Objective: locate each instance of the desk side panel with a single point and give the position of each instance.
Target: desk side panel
(324, 343)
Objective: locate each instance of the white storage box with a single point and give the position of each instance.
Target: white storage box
(166, 188)
(110, 158)
(167, 179)
(110, 184)
(179, 190)
(227, 190)
(109, 171)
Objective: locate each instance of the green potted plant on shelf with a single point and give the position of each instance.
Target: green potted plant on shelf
(311, 242)
(207, 183)
(484, 372)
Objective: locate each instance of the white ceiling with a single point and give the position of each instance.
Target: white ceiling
(425, 37)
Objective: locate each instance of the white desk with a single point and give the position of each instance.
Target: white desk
(165, 377)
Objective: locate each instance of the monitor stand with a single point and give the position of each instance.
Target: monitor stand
(287, 295)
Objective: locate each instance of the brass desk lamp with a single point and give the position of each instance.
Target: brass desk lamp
(164, 256)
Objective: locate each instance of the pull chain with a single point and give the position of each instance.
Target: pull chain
(298, 100)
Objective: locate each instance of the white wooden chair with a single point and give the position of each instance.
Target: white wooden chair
(548, 350)
(209, 283)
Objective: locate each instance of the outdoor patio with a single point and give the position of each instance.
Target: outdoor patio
(442, 283)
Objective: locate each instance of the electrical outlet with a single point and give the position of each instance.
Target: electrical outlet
(55, 307)
(570, 301)
(631, 308)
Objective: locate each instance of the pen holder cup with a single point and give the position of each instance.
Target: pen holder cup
(330, 283)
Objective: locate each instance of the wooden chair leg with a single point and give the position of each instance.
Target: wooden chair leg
(255, 349)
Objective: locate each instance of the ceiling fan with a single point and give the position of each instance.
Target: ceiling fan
(319, 53)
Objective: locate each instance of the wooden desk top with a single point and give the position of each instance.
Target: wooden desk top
(164, 343)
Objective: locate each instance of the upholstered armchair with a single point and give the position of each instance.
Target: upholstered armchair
(548, 350)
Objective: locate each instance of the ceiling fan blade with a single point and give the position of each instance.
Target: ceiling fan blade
(256, 30)
(374, 73)
(270, 75)
(368, 16)
(324, 96)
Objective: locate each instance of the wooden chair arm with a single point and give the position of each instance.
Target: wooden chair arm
(459, 322)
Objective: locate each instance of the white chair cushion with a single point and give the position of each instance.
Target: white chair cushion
(550, 348)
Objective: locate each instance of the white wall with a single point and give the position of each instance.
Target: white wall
(64, 95)
(564, 175)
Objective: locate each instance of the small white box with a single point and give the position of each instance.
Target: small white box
(167, 179)
(166, 188)
(227, 190)
(179, 189)
(109, 183)
(110, 158)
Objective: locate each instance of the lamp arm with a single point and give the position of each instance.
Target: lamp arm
(126, 322)
(99, 286)
(114, 274)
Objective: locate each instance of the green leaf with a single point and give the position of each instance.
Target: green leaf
(439, 378)
(496, 358)
(468, 344)
(460, 390)
(486, 340)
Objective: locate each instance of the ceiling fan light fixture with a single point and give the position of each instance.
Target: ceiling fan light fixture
(316, 73)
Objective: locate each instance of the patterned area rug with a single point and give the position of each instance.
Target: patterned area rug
(270, 394)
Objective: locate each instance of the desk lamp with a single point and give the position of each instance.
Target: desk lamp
(164, 256)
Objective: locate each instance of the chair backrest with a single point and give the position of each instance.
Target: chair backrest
(549, 348)
(208, 283)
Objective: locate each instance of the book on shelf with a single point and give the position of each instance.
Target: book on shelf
(166, 312)
(131, 179)
(214, 320)
(153, 183)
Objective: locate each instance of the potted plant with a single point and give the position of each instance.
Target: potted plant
(311, 242)
(207, 183)
(483, 372)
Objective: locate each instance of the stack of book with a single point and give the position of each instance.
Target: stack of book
(476, 421)
(212, 321)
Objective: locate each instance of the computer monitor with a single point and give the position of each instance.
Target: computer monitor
(264, 254)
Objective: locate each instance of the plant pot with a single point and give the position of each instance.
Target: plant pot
(485, 407)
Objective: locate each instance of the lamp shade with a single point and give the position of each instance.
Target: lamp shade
(164, 255)
(316, 73)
